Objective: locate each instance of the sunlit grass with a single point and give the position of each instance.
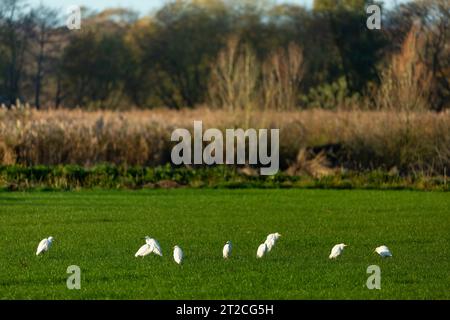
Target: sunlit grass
(101, 230)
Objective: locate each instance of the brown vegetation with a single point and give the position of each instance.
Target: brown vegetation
(404, 141)
(239, 81)
(406, 83)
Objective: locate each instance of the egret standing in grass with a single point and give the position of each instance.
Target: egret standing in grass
(271, 240)
(44, 245)
(177, 254)
(337, 250)
(383, 251)
(145, 250)
(262, 249)
(227, 250)
(154, 244)
(275, 236)
(270, 243)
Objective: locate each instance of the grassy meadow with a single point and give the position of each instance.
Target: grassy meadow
(86, 124)
(101, 230)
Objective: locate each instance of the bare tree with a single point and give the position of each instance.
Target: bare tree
(43, 35)
(14, 39)
(432, 17)
(234, 78)
(437, 50)
(406, 82)
(282, 74)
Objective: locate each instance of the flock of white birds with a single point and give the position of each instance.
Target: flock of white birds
(152, 246)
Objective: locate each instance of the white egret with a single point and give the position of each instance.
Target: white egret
(271, 240)
(270, 243)
(383, 251)
(227, 250)
(262, 249)
(44, 245)
(337, 250)
(154, 244)
(275, 236)
(145, 250)
(177, 254)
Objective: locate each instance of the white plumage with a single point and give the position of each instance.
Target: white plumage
(271, 240)
(337, 250)
(262, 249)
(143, 251)
(275, 236)
(227, 250)
(44, 245)
(383, 251)
(270, 243)
(154, 244)
(177, 254)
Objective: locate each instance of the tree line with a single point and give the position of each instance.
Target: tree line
(171, 57)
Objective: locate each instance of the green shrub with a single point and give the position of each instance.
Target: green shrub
(70, 177)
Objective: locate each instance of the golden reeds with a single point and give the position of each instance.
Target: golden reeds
(368, 139)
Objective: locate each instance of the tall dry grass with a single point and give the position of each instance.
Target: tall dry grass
(407, 141)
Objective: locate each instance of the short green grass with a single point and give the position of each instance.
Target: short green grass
(101, 230)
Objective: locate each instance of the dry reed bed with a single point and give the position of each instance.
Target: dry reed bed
(409, 141)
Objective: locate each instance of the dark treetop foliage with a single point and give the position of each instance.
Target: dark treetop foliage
(121, 60)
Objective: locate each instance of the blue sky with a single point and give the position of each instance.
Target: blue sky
(142, 6)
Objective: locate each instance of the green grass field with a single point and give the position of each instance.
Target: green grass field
(101, 230)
